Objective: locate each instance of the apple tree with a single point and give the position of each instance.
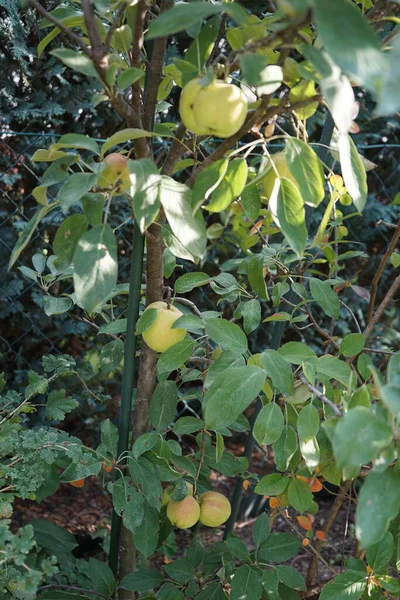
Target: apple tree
(259, 152)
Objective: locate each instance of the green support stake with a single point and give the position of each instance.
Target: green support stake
(129, 375)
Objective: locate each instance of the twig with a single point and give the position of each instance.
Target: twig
(379, 351)
(98, 50)
(321, 396)
(381, 308)
(312, 568)
(323, 333)
(202, 359)
(220, 35)
(189, 304)
(352, 314)
(54, 586)
(382, 264)
(72, 36)
(176, 149)
(87, 387)
(114, 24)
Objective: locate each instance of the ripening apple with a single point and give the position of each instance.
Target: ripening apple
(184, 514)
(281, 166)
(159, 336)
(215, 509)
(217, 108)
(116, 168)
(166, 498)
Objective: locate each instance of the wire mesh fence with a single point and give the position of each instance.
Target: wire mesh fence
(26, 333)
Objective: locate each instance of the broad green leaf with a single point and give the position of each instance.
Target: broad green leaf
(278, 370)
(58, 170)
(251, 313)
(174, 358)
(310, 451)
(58, 405)
(269, 425)
(246, 584)
(145, 191)
(390, 94)
(142, 580)
(347, 586)
(101, 576)
(28, 231)
(296, 353)
(95, 267)
(186, 425)
(188, 229)
(213, 591)
(227, 334)
(359, 437)
(308, 422)
(109, 437)
(299, 495)
(179, 570)
(92, 205)
(77, 61)
(230, 187)
(378, 504)
(66, 239)
(324, 295)
(391, 397)
(260, 74)
(287, 207)
(278, 547)
(56, 306)
(145, 321)
(146, 476)
(115, 327)
(290, 577)
(111, 356)
(285, 448)
(53, 538)
(270, 583)
(353, 171)
(302, 91)
(272, 485)
(333, 368)
(43, 155)
(76, 186)
(145, 442)
(122, 136)
(78, 141)
(352, 344)
(360, 56)
(306, 168)
(128, 77)
(255, 273)
(40, 194)
(207, 181)
(226, 359)
(189, 281)
(191, 323)
(261, 529)
(230, 394)
(300, 394)
(163, 404)
(237, 548)
(251, 202)
(201, 47)
(380, 554)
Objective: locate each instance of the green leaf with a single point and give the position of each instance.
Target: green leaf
(227, 334)
(230, 394)
(237, 548)
(261, 529)
(95, 267)
(58, 405)
(308, 422)
(78, 141)
(378, 504)
(133, 511)
(74, 188)
(278, 370)
(56, 306)
(379, 555)
(390, 94)
(324, 295)
(251, 201)
(145, 442)
(109, 437)
(306, 168)
(115, 327)
(174, 358)
(213, 591)
(53, 538)
(260, 74)
(179, 570)
(37, 384)
(189, 281)
(360, 56)
(255, 273)
(145, 191)
(207, 181)
(347, 586)
(278, 547)
(128, 77)
(101, 577)
(186, 425)
(77, 61)
(169, 591)
(299, 495)
(291, 577)
(146, 320)
(163, 405)
(296, 353)
(359, 437)
(285, 448)
(287, 208)
(310, 451)
(272, 485)
(28, 231)
(92, 205)
(146, 477)
(333, 368)
(246, 584)
(353, 171)
(230, 187)
(352, 344)
(188, 229)
(111, 356)
(269, 425)
(66, 239)
(191, 323)
(251, 313)
(142, 580)
(201, 48)
(122, 136)
(391, 397)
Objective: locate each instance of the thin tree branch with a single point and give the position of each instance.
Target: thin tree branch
(59, 586)
(381, 308)
(142, 147)
(72, 36)
(381, 268)
(321, 396)
(98, 49)
(323, 333)
(176, 149)
(114, 25)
